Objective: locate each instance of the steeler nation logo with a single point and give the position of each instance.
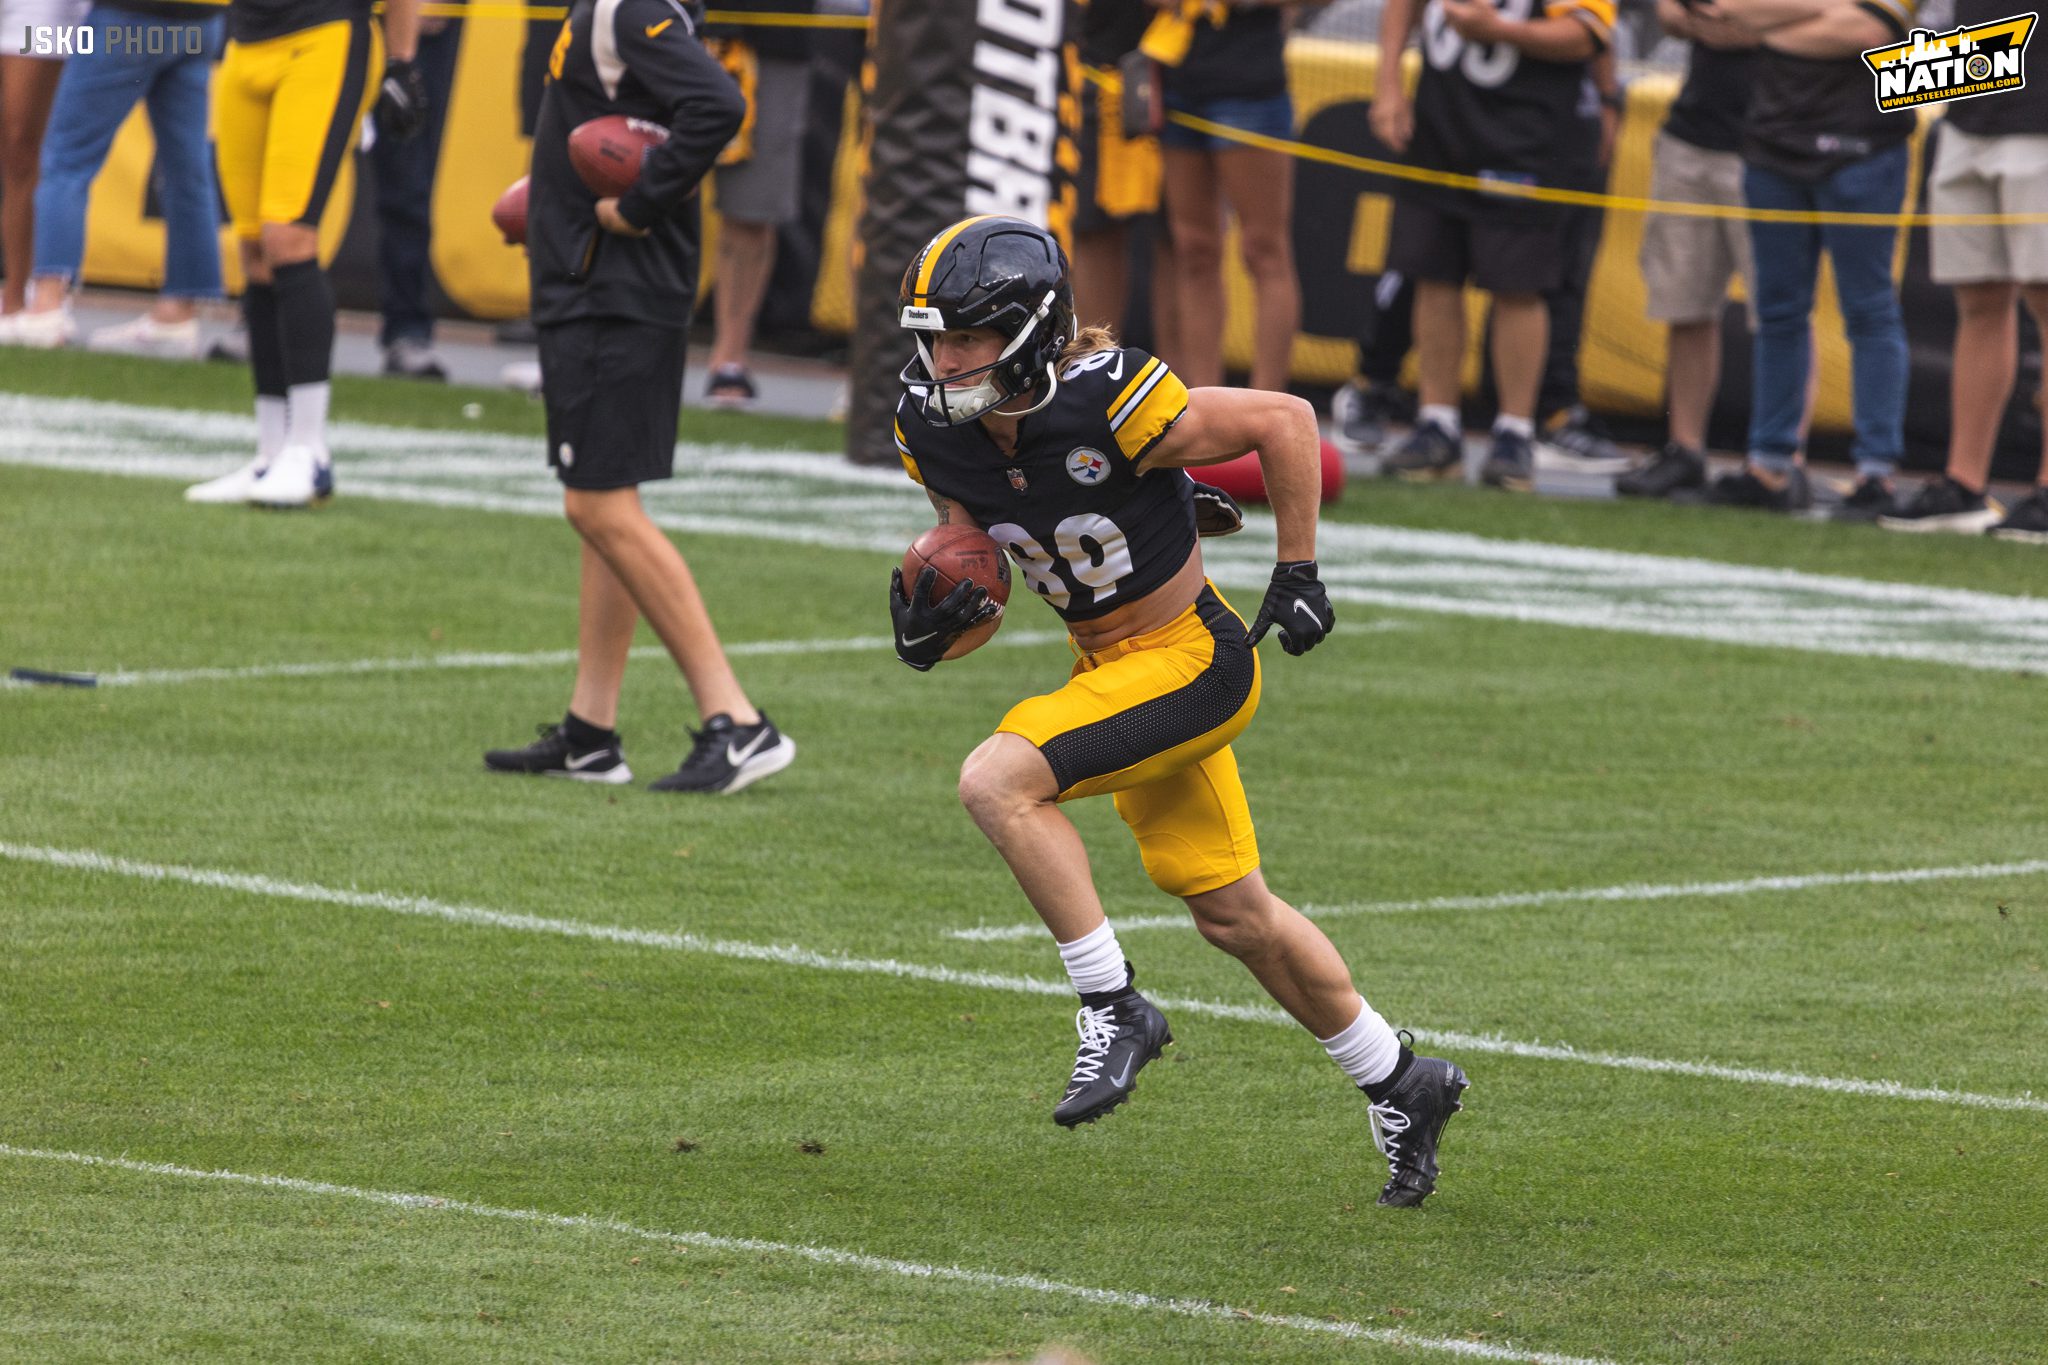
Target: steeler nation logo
(1087, 466)
(1967, 61)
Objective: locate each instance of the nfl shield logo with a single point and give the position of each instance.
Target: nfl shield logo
(1087, 466)
(1017, 479)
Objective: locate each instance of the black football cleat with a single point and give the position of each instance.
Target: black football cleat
(1120, 1032)
(553, 755)
(1409, 1123)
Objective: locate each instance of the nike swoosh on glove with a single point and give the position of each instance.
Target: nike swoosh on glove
(925, 629)
(402, 103)
(1216, 512)
(1297, 606)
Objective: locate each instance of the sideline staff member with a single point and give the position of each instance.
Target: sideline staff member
(613, 285)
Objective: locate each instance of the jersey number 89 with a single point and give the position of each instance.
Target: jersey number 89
(1092, 556)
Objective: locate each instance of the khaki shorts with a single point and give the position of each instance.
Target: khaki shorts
(1989, 175)
(1688, 262)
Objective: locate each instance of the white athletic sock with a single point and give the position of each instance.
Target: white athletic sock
(1367, 1050)
(307, 425)
(1442, 416)
(1520, 426)
(270, 427)
(1095, 962)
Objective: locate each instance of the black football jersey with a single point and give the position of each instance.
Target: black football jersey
(1088, 532)
(1490, 108)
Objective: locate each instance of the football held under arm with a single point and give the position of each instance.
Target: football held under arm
(1222, 424)
(655, 44)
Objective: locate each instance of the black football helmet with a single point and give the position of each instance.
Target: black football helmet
(997, 272)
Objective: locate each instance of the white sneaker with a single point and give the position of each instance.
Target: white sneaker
(300, 476)
(43, 331)
(523, 375)
(228, 487)
(146, 336)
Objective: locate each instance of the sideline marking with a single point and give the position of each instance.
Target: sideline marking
(794, 955)
(1206, 1309)
(1626, 891)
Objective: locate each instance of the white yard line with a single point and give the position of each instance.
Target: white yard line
(820, 500)
(1625, 892)
(1205, 1309)
(794, 955)
(151, 677)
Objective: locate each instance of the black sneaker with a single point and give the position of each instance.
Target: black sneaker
(1409, 1123)
(552, 755)
(1511, 463)
(1744, 489)
(1429, 452)
(1870, 500)
(730, 386)
(1578, 442)
(1943, 505)
(725, 757)
(1120, 1032)
(2027, 521)
(1670, 469)
(1364, 411)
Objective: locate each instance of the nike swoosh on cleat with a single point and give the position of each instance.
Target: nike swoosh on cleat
(1118, 1081)
(580, 763)
(739, 756)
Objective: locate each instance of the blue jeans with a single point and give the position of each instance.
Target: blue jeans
(1787, 263)
(94, 96)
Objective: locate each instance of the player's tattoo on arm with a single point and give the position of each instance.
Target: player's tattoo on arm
(943, 506)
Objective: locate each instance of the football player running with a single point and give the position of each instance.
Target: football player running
(1071, 452)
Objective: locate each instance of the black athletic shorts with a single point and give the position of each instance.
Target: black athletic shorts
(1503, 249)
(613, 389)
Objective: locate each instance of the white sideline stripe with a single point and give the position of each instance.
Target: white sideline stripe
(794, 955)
(1626, 891)
(1205, 1309)
(539, 658)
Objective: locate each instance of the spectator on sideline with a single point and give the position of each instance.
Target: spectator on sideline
(1816, 141)
(404, 176)
(1992, 158)
(1497, 99)
(1373, 399)
(1118, 184)
(94, 98)
(28, 87)
(756, 183)
(1226, 63)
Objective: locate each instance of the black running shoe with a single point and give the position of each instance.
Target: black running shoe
(730, 386)
(1578, 441)
(2027, 521)
(1670, 469)
(1363, 411)
(552, 755)
(1511, 463)
(1120, 1032)
(1429, 452)
(1870, 500)
(725, 757)
(1744, 489)
(1943, 505)
(1409, 1123)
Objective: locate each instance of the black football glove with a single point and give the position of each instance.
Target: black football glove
(925, 629)
(402, 103)
(1297, 605)
(1216, 512)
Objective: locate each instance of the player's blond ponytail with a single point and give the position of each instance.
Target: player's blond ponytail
(1088, 341)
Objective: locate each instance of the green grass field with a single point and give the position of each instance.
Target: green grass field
(324, 1044)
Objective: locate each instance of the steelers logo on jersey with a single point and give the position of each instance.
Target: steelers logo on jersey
(1087, 466)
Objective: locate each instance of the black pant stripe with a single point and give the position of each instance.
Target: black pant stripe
(346, 123)
(1130, 737)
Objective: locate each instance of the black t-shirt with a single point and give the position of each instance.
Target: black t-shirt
(776, 42)
(1244, 58)
(1112, 28)
(1714, 100)
(252, 21)
(643, 59)
(2009, 111)
(1811, 116)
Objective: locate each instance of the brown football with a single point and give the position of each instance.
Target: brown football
(960, 553)
(509, 213)
(608, 152)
